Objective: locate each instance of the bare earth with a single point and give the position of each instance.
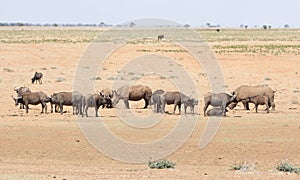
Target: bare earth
(47, 146)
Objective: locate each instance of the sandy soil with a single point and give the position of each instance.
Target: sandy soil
(47, 146)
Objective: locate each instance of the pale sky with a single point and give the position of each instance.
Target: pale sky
(227, 13)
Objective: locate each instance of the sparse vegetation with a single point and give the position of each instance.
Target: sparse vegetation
(8, 70)
(287, 167)
(161, 164)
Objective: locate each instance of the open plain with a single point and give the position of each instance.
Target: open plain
(47, 146)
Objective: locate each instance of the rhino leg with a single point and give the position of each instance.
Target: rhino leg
(185, 107)
(146, 103)
(126, 103)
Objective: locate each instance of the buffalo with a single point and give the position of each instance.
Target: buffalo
(93, 100)
(175, 98)
(73, 99)
(156, 101)
(33, 98)
(20, 91)
(218, 100)
(37, 77)
(190, 103)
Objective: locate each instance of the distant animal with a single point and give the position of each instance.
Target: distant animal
(155, 100)
(92, 100)
(107, 94)
(20, 91)
(33, 98)
(243, 92)
(176, 98)
(37, 77)
(132, 93)
(215, 112)
(160, 37)
(190, 103)
(73, 99)
(218, 100)
(259, 100)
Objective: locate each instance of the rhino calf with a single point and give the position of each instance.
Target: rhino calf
(259, 100)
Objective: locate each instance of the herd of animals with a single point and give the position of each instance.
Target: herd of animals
(258, 95)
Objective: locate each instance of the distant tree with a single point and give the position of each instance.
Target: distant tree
(246, 26)
(132, 24)
(265, 27)
(286, 26)
(102, 24)
(208, 24)
(186, 26)
(20, 24)
(269, 27)
(242, 26)
(55, 25)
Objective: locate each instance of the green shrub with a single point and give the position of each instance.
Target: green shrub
(287, 167)
(161, 164)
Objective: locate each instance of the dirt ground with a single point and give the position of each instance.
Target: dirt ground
(47, 146)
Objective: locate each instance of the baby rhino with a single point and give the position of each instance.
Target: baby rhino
(259, 100)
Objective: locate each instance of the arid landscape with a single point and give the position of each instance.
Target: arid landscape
(51, 145)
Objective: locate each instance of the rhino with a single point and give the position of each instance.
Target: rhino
(176, 98)
(218, 100)
(132, 93)
(156, 101)
(243, 92)
(33, 98)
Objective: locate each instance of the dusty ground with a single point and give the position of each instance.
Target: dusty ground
(40, 146)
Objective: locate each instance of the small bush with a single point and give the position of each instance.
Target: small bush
(8, 70)
(237, 167)
(287, 167)
(161, 164)
(60, 79)
(96, 78)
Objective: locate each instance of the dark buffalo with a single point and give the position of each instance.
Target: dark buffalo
(20, 91)
(218, 100)
(37, 77)
(175, 98)
(190, 103)
(132, 93)
(160, 37)
(33, 98)
(73, 99)
(93, 100)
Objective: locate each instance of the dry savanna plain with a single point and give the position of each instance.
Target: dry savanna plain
(52, 146)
